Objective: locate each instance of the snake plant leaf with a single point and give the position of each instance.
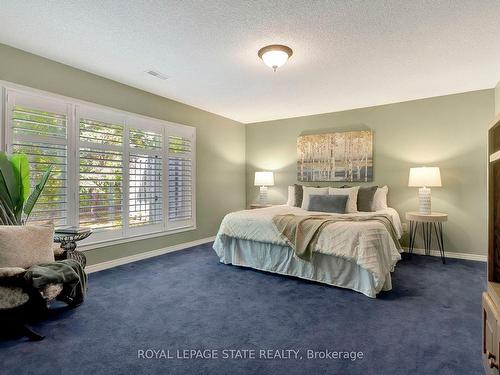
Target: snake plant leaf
(21, 165)
(8, 190)
(35, 194)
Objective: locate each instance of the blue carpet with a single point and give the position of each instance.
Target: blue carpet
(428, 324)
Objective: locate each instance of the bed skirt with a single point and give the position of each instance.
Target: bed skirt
(327, 269)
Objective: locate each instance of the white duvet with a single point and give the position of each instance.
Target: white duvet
(367, 243)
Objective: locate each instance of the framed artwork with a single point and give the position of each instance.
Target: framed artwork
(343, 156)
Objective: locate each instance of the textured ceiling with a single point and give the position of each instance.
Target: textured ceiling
(347, 54)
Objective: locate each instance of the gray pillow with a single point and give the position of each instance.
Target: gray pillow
(299, 195)
(365, 197)
(328, 203)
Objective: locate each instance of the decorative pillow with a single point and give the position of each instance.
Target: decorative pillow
(380, 199)
(365, 198)
(308, 191)
(328, 203)
(298, 195)
(25, 246)
(352, 192)
(291, 196)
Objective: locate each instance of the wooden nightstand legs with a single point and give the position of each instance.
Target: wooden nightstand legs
(427, 229)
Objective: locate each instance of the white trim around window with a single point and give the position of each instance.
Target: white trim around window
(126, 176)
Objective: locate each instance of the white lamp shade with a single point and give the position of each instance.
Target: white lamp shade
(264, 179)
(424, 176)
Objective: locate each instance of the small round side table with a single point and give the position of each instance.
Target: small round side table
(428, 222)
(68, 244)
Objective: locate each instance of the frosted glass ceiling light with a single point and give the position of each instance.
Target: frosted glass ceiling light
(275, 55)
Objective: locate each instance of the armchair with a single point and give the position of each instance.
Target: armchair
(18, 299)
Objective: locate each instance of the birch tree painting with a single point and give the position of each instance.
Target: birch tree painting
(346, 156)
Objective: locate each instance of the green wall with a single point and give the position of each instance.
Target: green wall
(220, 141)
(449, 132)
(497, 98)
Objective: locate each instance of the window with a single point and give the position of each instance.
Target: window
(101, 170)
(180, 179)
(122, 175)
(38, 128)
(145, 182)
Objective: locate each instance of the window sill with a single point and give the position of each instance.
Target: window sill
(139, 237)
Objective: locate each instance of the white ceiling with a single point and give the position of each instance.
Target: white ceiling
(347, 54)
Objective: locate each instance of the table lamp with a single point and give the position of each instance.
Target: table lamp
(424, 178)
(263, 179)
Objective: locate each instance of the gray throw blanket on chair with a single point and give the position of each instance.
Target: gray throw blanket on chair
(301, 232)
(68, 272)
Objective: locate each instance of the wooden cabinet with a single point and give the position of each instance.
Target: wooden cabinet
(494, 201)
(491, 326)
(491, 298)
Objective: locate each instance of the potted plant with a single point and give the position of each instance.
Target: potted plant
(16, 199)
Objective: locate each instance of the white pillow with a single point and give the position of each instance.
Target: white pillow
(291, 196)
(380, 199)
(308, 191)
(26, 245)
(352, 201)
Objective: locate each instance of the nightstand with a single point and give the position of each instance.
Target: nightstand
(429, 223)
(259, 205)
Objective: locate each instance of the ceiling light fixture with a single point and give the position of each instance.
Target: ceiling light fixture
(275, 55)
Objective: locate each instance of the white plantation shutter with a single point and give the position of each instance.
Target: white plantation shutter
(38, 128)
(120, 174)
(145, 179)
(181, 176)
(101, 140)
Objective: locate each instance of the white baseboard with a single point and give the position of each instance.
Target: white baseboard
(154, 253)
(148, 254)
(436, 253)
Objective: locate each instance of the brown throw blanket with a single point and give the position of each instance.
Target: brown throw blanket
(301, 232)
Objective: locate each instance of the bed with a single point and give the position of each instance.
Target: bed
(356, 255)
